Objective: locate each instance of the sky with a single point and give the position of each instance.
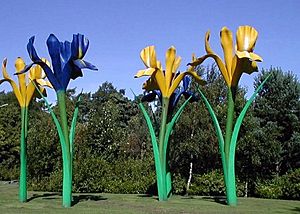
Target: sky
(119, 29)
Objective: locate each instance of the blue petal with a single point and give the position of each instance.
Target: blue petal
(31, 50)
(79, 46)
(65, 51)
(149, 97)
(54, 51)
(186, 82)
(81, 64)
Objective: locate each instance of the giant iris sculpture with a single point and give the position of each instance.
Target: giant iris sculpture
(67, 62)
(24, 94)
(164, 84)
(238, 59)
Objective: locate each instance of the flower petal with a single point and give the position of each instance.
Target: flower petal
(12, 83)
(246, 37)
(81, 64)
(31, 50)
(178, 79)
(227, 45)
(148, 56)
(53, 45)
(150, 84)
(20, 65)
(145, 72)
(79, 46)
(172, 64)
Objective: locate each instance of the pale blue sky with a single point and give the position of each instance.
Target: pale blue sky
(119, 29)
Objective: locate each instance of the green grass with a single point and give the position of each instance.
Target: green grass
(44, 202)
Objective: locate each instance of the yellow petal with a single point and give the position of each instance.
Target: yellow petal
(43, 82)
(12, 83)
(161, 82)
(227, 45)
(172, 64)
(150, 84)
(29, 93)
(246, 37)
(145, 72)
(249, 55)
(148, 56)
(178, 79)
(20, 65)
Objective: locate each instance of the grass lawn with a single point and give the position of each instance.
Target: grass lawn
(45, 202)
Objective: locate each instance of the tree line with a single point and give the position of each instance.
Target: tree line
(113, 151)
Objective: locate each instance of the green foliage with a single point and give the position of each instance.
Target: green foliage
(283, 187)
(211, 184)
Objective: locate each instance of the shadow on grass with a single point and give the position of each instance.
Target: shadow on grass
(296, 209)
(215, 199)
(44, 196)
(80, 198)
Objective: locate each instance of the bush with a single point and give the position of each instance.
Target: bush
(283, 187)
(211, 184)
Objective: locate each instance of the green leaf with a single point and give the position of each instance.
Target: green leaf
(57, 124)
(73, 125)
(241, 117)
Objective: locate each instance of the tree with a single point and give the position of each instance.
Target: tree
(278, 110)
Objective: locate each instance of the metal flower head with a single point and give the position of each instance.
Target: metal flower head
(25, 92)
(174, 99)
(236, 62)
(67, 59)
(166, 81)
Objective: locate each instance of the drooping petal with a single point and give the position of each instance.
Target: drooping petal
(186, 82)
(149, 97)
(20, 65)
(178, 79)
(148, 56)
(227, 45)
(81, 64)
(250, 55)
(219, 62)
(145, 72)
(150, 84)
(12, 83)
(31, 50)
(54, 82)
(246, 37)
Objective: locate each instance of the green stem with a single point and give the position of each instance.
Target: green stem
(67, 172)
(230, 180)
(23, 155)
(162, 133)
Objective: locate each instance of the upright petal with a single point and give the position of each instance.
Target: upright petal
(65, 52)
(54, 52)
(172, 64)
(79, 46)
(20, 65)
(227, 45)
(246, 37)
(148, 56)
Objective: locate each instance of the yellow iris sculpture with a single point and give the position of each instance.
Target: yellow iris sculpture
(238, 59)
(164, 83)
(24, 93)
